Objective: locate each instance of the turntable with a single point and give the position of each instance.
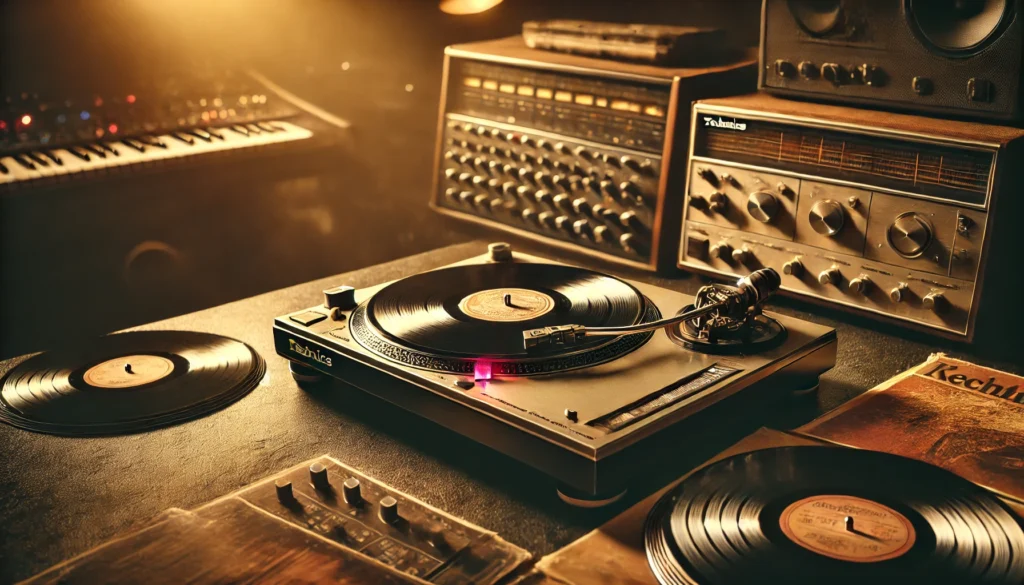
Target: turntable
(574, 372)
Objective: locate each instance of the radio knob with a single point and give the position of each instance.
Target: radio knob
(793, 268)
(721, 250)
(785, 69)
(897, 292)
(833, 73)
(830, 276)
(808, 70)
(718, 202)
(860, 285)
(582, 206)
(741, 255)
(762, 206)
(934, 301)
(827, 217)
(909, 235)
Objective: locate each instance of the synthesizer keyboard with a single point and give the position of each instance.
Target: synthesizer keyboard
(98, 158)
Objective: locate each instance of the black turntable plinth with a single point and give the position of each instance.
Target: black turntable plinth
(64, 496)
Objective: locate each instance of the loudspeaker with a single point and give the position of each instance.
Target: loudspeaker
(958, 58)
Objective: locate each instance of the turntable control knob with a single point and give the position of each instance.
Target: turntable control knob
(741, 255)
(601, 234)
(318, 476)
(582, 206)
(546, 219)
(581, 227)
(340, 297)
(827, 217)
(718, 202)
(934, 301)
(562, 201)
(351, 491)
(793, 268)
(909, 235)
(285, 495)
(388, 511)
(897, 292)
(833, 73)
(808, 70)
(762, 206)
(543, 197)
(860, 285)
(721, 250)
(830, 276)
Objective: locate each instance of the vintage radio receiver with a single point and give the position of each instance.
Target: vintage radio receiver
(886, 213)
(570, 149)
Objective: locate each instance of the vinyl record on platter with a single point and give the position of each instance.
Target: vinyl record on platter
(809, 515)
(128, 382)
(451, 318)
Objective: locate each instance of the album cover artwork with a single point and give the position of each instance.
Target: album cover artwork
(965, 418)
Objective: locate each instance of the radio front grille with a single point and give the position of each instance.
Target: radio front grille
(898, 164)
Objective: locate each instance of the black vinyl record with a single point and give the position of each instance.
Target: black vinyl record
(128, 382)
(811, 515)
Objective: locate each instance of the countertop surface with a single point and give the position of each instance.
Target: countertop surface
(62, 496)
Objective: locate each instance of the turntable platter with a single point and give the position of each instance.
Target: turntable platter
(454, 318)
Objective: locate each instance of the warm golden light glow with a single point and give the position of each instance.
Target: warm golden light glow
(462, 7)
(585, 99)
(544, 93)
(490, 84)
(563, 96)
(657, 111)
(507, 88)
(526, 90)
(601, 102)
(471, 82)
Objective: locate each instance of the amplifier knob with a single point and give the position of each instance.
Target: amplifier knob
(544, 144)
(582, 152)
(449, 155)
(721, 250)
(762, 206)
(718, 202)
(388, 511)
(609, 189)
(526, 140)
(611, 160)
(628, 242)
(564, 223)
(582, 206)
(833, 73)
(909, 235)
(480, 200)
(630, 189)
(495, 133)
(525, 193)
(785, 69)
(897, 292)
(741, 255)
(527, 158)
(922, 85)
(582, 228)
(318, 477)
(934, 301)
(496, 204)
(808, 70)
(562, 182)
(562, 201)
(793, 268)
(285, 495)
(529, 215)
(451, 195)
(508, 188)
(542, 178)
(479, 182)
(450, 174)
(525, 175)
(860, 285)
(592, 184)
(465, 197)
(494, 185)
(561, 148)
(630, 220)
(601, 234)
(830, 276)
(647, 168)
(465, 178)
(543, 197)
(546, 219)
(494, 168)
(630, 163)
(465, 160)
(870, 75)
(709, 176)
(510, 171)
(827, 217)
(351, 492)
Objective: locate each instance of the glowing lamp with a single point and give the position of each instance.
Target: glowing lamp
(26, 120)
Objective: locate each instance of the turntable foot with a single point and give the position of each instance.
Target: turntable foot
(581, 499)
(304, 374)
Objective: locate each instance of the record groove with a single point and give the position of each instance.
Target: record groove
(803, 515)
(50, 392)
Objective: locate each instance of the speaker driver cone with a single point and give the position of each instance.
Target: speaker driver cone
(958, 28)
(817, 17)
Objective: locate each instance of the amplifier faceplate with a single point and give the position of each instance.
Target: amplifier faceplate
(883, 232)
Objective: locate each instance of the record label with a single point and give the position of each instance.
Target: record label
(847, 528)
(507, 305)
(128, 371)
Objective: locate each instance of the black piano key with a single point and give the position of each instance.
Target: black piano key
(23, 161)
(80, 153)
(37, 159)
(95, 150)
(53, 156)
(134, 144)
(268, 127)
(152, 141)
(184, 138)
(109, 149)
(241, 129)
(4, 169)
(201, 134)
(254, 129)
(215, 133)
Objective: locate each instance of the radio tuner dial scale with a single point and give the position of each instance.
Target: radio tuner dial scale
(570, 150)
(884, 214)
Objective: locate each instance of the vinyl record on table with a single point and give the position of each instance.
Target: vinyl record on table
(128, 382)
(810, 515)
(480, 311)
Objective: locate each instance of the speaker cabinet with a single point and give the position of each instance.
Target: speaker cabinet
(959, 58)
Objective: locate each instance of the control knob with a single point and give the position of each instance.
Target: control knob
(897, 292)
(388, 511)
(762, 206)
(793, 268)
(860, 285)
(827, 217)
(340, 297)
(741, 255)
(709, 176)
(909, 235)
(808, 70)
(717, 202)
(721, 250)
(934, 301)
(318, 476)
(351, 491)
(285, 495)
(833, 73)
(829, 276)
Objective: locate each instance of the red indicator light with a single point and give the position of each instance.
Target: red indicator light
(98, 101)
(3, 125)
(112, 128)
(26, 120)
(130, 99)
(482, 370)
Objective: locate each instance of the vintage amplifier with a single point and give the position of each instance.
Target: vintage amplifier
(571, 150)
(889, 214)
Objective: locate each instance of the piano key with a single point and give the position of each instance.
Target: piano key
(53, 156)
(24, 162)
(38, 159)
(132, 143)
(95, 149)
(213, 132)
(72, 163)
(267, 127)
(152, 141)
(19, 172)
(107, 147)
(254, 128)
(183, 138)
(201, 134)
(240, 129)
(79, 153)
